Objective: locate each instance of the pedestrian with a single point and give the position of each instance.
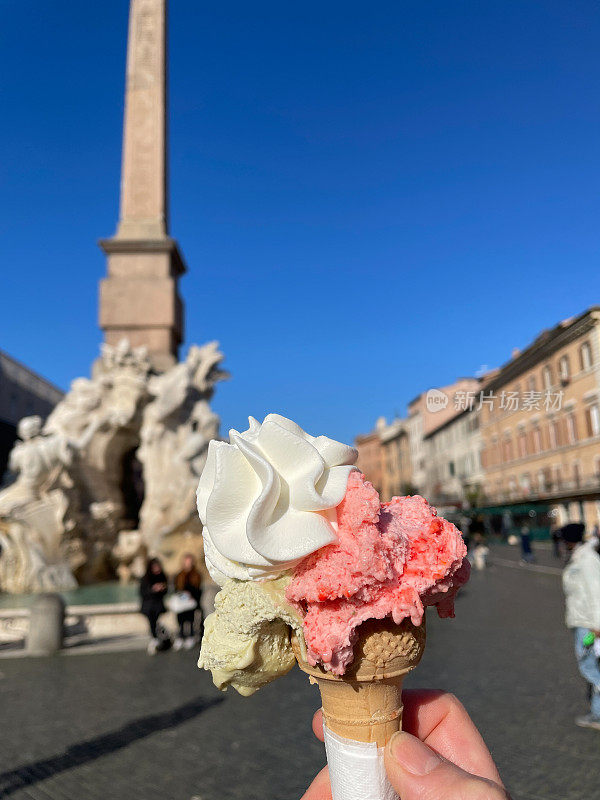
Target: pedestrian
(527, 556)
(581, 584)
(480, 552)
(465, 529)
(556, 542)
(189, 583)
(153, 588)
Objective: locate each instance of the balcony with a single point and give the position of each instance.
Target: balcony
(554, 490)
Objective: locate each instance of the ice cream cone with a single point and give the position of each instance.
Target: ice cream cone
(365, 704)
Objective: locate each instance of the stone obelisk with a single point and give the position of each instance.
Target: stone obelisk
(139, 300)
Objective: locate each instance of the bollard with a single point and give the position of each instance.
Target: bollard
(46, 625)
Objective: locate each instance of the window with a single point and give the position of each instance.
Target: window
(572, 428)
(564, 368)
(472, 423)
(508, 449)
(597, 467)
(496, 455)
(557, 476)
(537, 440)
(595, 415)
(451, 468)
(522, 445)
(525, 483)
(585, 356)
(576, 473)
(541, 480)
(593, 420)
(532, 383)
(547, 377)
(554, 434)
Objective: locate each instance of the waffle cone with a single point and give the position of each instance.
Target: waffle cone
(365, 704)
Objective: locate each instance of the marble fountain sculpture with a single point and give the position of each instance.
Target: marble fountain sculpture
(112, 473)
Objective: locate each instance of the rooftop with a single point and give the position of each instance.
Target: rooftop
(544, 344)
(18, 372)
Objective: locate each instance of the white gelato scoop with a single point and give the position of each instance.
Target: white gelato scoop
(269, 498)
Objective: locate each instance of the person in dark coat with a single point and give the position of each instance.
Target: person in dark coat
(153, 588)
(188, 581)
(527, 556)
(556, 542)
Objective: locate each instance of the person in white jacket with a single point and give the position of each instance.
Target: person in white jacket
(581, 584)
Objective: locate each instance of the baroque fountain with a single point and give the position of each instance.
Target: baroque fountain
(111, 475)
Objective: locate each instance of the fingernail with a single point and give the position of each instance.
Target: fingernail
(412, 755)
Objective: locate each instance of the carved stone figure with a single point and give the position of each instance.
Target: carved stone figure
(131, 554)
(128, 444)
(176, 428)
(32, 511)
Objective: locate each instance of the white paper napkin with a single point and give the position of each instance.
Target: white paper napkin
(356, 769)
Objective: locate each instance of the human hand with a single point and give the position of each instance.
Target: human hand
(440, 754)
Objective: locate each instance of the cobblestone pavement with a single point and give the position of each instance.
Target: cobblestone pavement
(117, 726)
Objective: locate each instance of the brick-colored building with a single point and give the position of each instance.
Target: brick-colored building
(396, 470)
(384, 457)
(369, 457)
(394, 456)
(540, 424)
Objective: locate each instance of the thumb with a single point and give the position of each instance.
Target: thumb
(418, 773)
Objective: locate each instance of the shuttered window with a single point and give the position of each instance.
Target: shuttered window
(592, 419)
(585, 356)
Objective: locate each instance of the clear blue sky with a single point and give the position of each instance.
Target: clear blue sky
(372, 198)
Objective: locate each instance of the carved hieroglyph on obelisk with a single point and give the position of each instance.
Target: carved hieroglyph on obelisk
(139, 300)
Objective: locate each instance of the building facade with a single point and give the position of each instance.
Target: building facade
(406, 457)
(540, 424)
(429, 411)
(396, 477)
(369, 457)
(384, 458)
(23, 393)
(453, 471)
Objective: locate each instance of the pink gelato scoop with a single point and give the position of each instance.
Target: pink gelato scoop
(392, 559)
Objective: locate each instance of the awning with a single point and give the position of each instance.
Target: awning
(517, 508)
